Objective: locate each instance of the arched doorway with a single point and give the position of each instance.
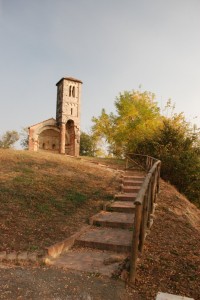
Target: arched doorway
(70, 132)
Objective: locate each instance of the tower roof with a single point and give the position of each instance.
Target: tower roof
(69, 78)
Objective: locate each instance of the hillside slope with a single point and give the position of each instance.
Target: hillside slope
(171, 258)
(45, 197)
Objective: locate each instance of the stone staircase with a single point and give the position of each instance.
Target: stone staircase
(107, 242)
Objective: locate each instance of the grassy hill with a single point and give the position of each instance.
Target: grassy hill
(45, 197)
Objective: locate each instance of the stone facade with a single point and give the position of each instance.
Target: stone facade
(63, 134)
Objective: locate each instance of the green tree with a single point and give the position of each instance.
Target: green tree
(87, 144)
(137, 117)
(177, 146)
(180, 156)
(9, 139)
(139, 127)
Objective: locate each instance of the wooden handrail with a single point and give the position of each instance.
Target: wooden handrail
(146, 160)
(142, 191)
(144, 210)
(133, 164)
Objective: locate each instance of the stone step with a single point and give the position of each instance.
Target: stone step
(89, 260)
(130, 189)
(133, 178)
(133, 172)
(122, 206)
(126, 196)
(111, 239)
(113, 219)
(132, 183)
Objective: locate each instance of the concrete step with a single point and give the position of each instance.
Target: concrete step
(122, 206)
(111, 239)
(130, 189)
(113, 219)
(89, 260)
(126, 196)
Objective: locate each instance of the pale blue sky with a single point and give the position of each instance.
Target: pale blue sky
(111, 45)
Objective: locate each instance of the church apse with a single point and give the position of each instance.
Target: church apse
(49, 140)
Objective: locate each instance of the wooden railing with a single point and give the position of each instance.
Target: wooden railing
(144, 204)
(143, 162)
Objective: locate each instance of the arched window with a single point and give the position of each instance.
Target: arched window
(70, 124)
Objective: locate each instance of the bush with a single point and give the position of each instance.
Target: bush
(178, 150)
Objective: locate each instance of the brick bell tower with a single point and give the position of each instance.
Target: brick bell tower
(68, 114)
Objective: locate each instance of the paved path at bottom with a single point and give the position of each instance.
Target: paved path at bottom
(46, 283)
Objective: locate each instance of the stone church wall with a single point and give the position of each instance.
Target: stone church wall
(63, 134)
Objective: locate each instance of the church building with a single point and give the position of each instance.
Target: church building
(62, 134)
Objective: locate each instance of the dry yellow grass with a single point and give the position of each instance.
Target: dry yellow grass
(46, 197)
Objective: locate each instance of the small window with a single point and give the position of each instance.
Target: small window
(53, 146)
(43, 146)
(73, 91)
(71, 111)
(70, 91)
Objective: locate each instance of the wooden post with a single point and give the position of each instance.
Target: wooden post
(135, 243)
(126, 167)
(147, 163)
(149, 200)
(158, 178)
(154, 189)
(143, 223)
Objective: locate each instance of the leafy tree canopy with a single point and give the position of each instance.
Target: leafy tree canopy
(138, 126)
(87, 145)
(176, 144)
(137, 117)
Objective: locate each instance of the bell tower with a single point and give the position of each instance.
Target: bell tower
(68, 114)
